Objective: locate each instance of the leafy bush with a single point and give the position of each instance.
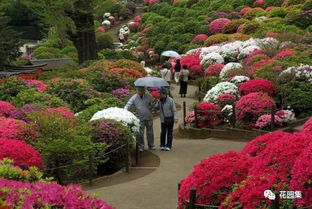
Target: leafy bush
(43, 52)
(278, 12)
(124, 63)
(255, 12)
(302, 19)
(10, 87)
(218, 25)
(251, 27)
(307, 5)
(232, 26)
(104, 82)
(277, 3)
(216, 39)
(17, 130)
(104, 41)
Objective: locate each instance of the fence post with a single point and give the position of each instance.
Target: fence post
(195, 117)
(192, 198)
(136, 152)
(275, 202)
(179, 186)
(90, 168)
(272, 117)
(184, 113)
(233, 117)
(127, 157)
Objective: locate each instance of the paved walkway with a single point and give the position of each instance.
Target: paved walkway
(156, 188)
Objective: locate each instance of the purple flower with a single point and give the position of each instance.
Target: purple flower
(21, 113)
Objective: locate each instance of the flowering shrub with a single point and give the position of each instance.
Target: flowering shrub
(192, 61)
(213, 178)
(6, 109)
(38, 85)
(226, 99)
(16, 129)
(307, 126)
(230, 51)
(282, 55)
(250, 107)
(272, 161)
(129, 64)
(190, 117)
(257, 85)
(131, 73)
(258, 3)
(232, 26)
(208, 114)
(20, 152)
(10, 87)
(254, 12)
(200, 38)
(286, 116)
(303, 72)
(61, 111)
(134, 26)
(155, 94)
(239, 79)
(220, 88)
(227, 67)
(257, 145)
(119, 114)
(244, 10)
(249, 193)
(122, 93)
(217, 25)
(214, 70)
(301, 177)
(211, 58)
(21, 113)
(52, 195)
(248, 51)
(264, 122)
(216, 39)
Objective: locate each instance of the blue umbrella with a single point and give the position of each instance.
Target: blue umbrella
(151, 82)
(171, 54)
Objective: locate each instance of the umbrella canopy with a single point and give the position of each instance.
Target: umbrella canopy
(171, 54)
(151, 82)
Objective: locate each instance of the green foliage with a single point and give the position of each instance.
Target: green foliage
(9, 43)
(104, 82)
(11, 172)
(44, 52)
(277, 3)
(307, 5)
(295, 2)
(255, 12)
(266, 73)
(31, 96)
(232, 26)
(251, 27)
(215, 39)
(206, 83)
(114, 54)
(104, 41)
(11, 87)
(66, 71)
(299, 18)
(278, 12)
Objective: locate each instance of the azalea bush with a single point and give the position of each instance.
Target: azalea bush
(10, 87)
(307, 126)
(21, 113)
(127, 72)
(123, 94)
(6, 109)
(208, 115)
(36, 84)
(250, 107)
(287, 116)
(227, 68)
(16, 129)
(220, 88)
(190, 117)
(264, 122)
(239, 79)
(218, 25)
(257, 85)
(213, 178)
(214, 70)
(226, 99)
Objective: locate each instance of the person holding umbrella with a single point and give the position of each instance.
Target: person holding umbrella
(143, 105)
(168, 116)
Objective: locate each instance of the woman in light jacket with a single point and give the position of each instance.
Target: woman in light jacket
(184, 75)
(166, 73)
(168, 116)
(177, 69)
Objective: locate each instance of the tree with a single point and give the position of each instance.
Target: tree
(73, 19)
(9, 43)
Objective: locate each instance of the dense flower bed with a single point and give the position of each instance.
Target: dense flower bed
(16, 129)
(307, 126)
(264, 122)
(38, 85)
(21, 113)
(208, 114)
(220, 88)
(6, 109)
(257, 85)
(214, 70)
(217, 25)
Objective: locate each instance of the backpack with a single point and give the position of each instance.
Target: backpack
(181, 76)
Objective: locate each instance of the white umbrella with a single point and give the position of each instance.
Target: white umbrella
(171, 54)
(151, 82)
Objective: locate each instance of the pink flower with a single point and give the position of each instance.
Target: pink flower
(258, 3)
(16, 129)
(257, 85)
(217, 25)
(226, 99)
(214, 70)
(283, 55)
(100, 29)
(155, 94)
(38, 85)
(85, 69)
(56, 79)
(244, 10)
(268, 9)
(61, 111)
(6, 109)
(134, 26)
(190, 118)
(307, 126)
(137, 18)
(264, 121)
(199, 38)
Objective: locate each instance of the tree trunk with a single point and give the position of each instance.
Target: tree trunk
(84, 38)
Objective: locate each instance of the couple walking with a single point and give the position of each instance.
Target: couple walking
(144, 104)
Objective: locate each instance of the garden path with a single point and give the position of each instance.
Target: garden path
(156, 187)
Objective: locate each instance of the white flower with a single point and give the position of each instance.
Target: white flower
(126, 117)
(111, 18)
(287, 116)
(301, 72)
(106, 23)
(231, 51)
(261, 19)
(251, 42)
(245, 52)
(192, 51)
(229, 66)
(220, 88)
(207, 50)
(148, 70)
(211, 58)
(268, 42)
(227, 108)
(239, 79)
(107, 15)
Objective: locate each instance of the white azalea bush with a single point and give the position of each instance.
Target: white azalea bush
(231, 51)
(245, 52)
(220, 88)
(301, 72)
(287, 116)
(126, 117)
(239, 79)
(211, 58)
(207, 50)
(229, 66)
(227, 112)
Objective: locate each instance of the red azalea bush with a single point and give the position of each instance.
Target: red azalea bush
(200, 38)
(155, 94)
(302, 177)
(283, 55)
(250, 107)
(307, 126)
(208, 114)
(257, 145)
(214, 70)
(6, 109)
(258, 3)
(257, 65)
(16, 129)
(255, 56)
(217, 25)
(61, 111)
(192, 62)
(196, 71)
(38, 85)
(134, 26)
(47, 195)
(20, 152)
(257, 85)
(249, 194)
(268, 9)
(137, 18)
(244, 10)
(264, 121)
(279, 156)
(131, 73)
(213, 178)
(226, 99)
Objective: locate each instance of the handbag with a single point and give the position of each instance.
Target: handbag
(181, 76)
(167, 120)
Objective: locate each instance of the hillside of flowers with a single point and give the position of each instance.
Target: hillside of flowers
(277, 161)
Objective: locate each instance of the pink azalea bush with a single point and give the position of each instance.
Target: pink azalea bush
(250, 107)
(217, 25)
(257, 145)
(258, 3)
(307, 126)
(16, 129)
(42, 195)
(268, 9)
(190, 117)
(257, 85)
(282, 55)
(214, 70)
(244, 10)
(208, 114)
(226, 99)
(6, 109)
(214, 176)
(122, 93)
(264, 121)
(302, 176)
(38, 85)
(200, 38)
(61, 111)
(20, 152)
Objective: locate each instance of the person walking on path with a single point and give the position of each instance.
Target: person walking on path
(184, 75)
(121, 36)
(143, 105)
(168, 116)
(166, 73)
(177, 69)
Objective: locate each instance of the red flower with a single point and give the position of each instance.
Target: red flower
(16, 129)
(283, 55)
(214, 70)
(20, 152)
(307, 126)
(244, 10)
(199, 38)
(61, 111)
(268, 9)
(6, 109)
(155, 94)
(100, 29)
(258, 3)
(208, 114)
(193, 64)
(257, 85)
(137, 18)
(226, 99)
(214, 176)
(217, 25)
